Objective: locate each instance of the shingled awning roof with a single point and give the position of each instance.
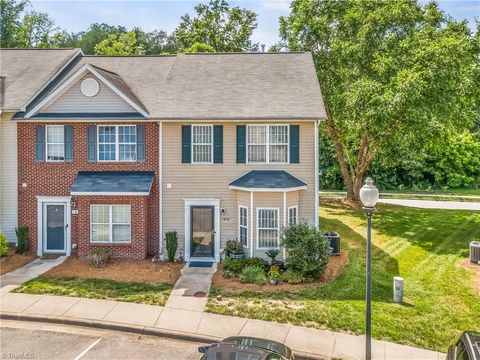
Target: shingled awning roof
(113, 183)
(268, 180)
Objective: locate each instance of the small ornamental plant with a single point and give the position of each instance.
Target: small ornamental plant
(234, 249)
(274, 274)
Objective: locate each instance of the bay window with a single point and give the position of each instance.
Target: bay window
(243, 225)
(267, 228)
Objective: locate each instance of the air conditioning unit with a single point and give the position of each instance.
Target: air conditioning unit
(475, 252)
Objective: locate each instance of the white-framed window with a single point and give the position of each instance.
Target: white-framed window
(292, 215)
(268, 229)
(55, 141)
(110, 223)
(117, 143)
(243, 225)
(202, 144)
(267, 143)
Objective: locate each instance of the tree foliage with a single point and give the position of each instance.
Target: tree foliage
(218, 25)
(123, 44)
(199, 48)
(22, 27)
(393, 75)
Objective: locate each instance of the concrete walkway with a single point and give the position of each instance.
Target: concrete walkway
(30, 271)
(193, 281)
(196, 326)
(434, 204)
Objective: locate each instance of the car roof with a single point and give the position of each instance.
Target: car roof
(473, 342)
(264, 344)
(236, 351)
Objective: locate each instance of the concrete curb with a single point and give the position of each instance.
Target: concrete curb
(141, 330)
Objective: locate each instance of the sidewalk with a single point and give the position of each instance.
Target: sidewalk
(196, 325)
(30, 271)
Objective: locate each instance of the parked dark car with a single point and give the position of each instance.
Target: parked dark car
(467, 347)
(239, 347)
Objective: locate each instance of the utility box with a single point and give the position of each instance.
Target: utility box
(398, 289)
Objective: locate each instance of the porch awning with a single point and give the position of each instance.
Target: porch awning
(268, 181)
(137, 183)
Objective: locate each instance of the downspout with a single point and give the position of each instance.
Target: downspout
(317, 180)
(284, 220)
(160, 189)
(251, 224)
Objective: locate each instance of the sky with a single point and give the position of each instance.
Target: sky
(77, 15)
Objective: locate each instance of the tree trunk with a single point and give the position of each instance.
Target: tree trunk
(346, 175)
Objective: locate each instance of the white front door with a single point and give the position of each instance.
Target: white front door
(54, 227)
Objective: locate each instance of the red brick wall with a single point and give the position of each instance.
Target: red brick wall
(55, 179)
(140, 237)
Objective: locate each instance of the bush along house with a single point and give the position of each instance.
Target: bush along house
(116, 151)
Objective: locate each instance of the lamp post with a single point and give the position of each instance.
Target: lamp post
(369, 197)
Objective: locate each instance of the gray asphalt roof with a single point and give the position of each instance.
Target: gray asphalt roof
(113, 182)
(27, 70)
(216, 86)
(268, 179)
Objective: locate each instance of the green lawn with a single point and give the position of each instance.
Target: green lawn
(425, 247)
(153, 294)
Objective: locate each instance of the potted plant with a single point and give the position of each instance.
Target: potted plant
(234, 249)
(272, 254)
(334, 240)
(274, 274)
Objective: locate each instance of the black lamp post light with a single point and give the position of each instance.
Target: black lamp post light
(369, 197)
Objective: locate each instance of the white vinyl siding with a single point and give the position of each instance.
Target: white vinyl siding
(117, 143)
(267, 144)
(8, 177)
(202, 144)
(55, 143)
(292, 215)
(267, 228)
(110, 223)
(243, 225)
(73, 101)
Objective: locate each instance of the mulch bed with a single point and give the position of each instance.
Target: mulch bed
(334, 268)
(476, 268)
(14, 261)
(141, 271)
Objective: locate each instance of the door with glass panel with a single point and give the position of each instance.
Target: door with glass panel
(54, 227)
(202, 231)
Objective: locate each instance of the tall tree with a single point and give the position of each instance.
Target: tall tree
(224, 28)
(392, 72)
(155, 42)
(20, 26)
(124, 44)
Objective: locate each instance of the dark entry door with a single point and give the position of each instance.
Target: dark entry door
(55, 227)
(202, 231)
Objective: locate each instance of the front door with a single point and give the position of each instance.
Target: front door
(202, 231)
(54, 229)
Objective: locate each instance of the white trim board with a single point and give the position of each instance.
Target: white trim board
(281, 190)
(216, 224)
(71, 81)
(106, 193)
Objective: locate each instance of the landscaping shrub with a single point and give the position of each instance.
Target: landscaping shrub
(253, 275)
(172, 244)
(234, 247)
(227, 274)
(307, 250)
(99, 257)
(3, 245)
(272, 254)
(22, 239)
(237, 265)
(292, 277)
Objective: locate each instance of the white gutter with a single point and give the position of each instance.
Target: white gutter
(317, 185)
(160, 188)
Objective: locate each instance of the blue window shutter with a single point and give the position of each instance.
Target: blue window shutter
(140, 143)
(40, 143)
(218, 144)
(68, 143)
(241, 144)
(92, 144)
(186, 144)
(294, 144)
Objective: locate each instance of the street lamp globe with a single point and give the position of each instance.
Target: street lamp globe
(369, 194)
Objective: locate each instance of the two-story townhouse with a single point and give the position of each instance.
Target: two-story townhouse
(116, 151)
